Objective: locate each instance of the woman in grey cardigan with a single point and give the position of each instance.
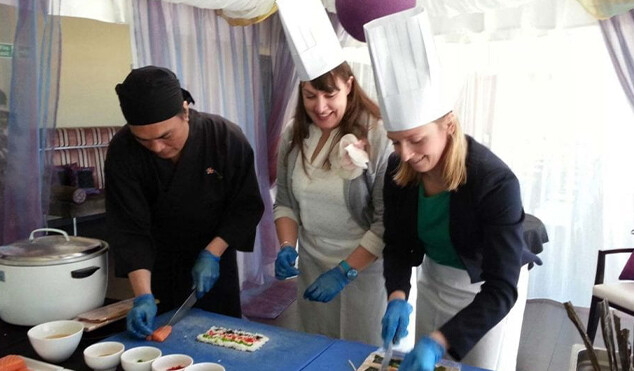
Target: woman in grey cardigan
(329, 204)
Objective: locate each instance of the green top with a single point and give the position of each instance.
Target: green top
(433, 228)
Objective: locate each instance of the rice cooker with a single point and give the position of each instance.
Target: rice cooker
(51, 277)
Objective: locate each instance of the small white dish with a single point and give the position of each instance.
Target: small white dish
(56, 341)
(104, 356)
(139, 358)
(172, 362)
(205, 366)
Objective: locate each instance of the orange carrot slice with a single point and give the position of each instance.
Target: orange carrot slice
(12, 363)
(160, 334)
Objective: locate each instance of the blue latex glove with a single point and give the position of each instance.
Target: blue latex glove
(326, 286)
(424, 356)
(205, 272)
(395, 321)
(285, 263)
(140, 320)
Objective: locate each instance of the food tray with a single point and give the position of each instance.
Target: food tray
(374, 359)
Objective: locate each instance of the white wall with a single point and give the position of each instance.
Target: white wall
(7, 30)
(95, 57)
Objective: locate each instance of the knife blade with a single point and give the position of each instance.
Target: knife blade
(183, 309)
(387, 357)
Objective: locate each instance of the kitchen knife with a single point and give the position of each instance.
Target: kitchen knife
(184, 309)
(387, 357)
(161, 333)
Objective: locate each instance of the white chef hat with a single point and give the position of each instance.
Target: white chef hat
(406, 69)
(312, 41)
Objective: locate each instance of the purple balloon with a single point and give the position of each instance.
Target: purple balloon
(353, 14)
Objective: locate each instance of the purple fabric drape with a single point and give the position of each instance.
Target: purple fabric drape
(32, 108)
(618, 33)
(284, 80)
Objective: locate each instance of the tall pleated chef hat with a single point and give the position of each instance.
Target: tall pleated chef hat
(406, 69)
(312, 41)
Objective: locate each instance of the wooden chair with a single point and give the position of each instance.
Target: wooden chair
(620, 294)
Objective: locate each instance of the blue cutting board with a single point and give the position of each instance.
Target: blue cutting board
(285, 350)
(336, 357)
(339, 355)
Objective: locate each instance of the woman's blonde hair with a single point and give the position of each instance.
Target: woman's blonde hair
(453, 160)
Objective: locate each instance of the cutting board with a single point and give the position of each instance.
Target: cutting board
(102, 316)
(106, 313)
(285, 350)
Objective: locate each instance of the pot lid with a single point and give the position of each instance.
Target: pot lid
(50, 250)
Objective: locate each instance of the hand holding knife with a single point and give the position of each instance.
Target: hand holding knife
(387, 357)
(161, 333)
(394, 326)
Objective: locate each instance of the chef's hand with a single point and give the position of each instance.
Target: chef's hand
(326, 286)
(140, 320)
(205, 272)
(424, 356)
(285, 263)
(395, 321)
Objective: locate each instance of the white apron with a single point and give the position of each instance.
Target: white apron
(328, 235)
(443, 291)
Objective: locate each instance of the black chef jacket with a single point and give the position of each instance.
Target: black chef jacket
(160, 215)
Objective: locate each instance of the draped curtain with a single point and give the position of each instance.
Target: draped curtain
(283, 81)
(534, 83)
(243, 9)
(618, 33)
(114, 11)
(220, 67)
(551, 107)
(29, 80)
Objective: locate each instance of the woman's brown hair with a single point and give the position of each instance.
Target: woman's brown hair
(453, 160)
(352, 122)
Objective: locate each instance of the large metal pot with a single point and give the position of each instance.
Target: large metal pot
(51, 277)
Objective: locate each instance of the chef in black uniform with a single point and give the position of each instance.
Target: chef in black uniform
(181, 197)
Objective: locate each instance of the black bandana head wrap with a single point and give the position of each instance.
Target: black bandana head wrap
(151, 94)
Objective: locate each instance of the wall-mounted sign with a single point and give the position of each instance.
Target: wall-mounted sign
(6, 50)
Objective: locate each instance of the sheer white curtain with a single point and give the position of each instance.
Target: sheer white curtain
(552, 108)
(550, 105)
(545, 98)
(233, 8)
(114, 11)
(29, 86)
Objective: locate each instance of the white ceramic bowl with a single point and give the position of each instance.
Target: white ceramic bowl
(57, 340)
(205, 366)
(104, 356)
(139, 358)
(171, 361)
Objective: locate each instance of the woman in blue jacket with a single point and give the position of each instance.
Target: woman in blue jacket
(451, 208)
